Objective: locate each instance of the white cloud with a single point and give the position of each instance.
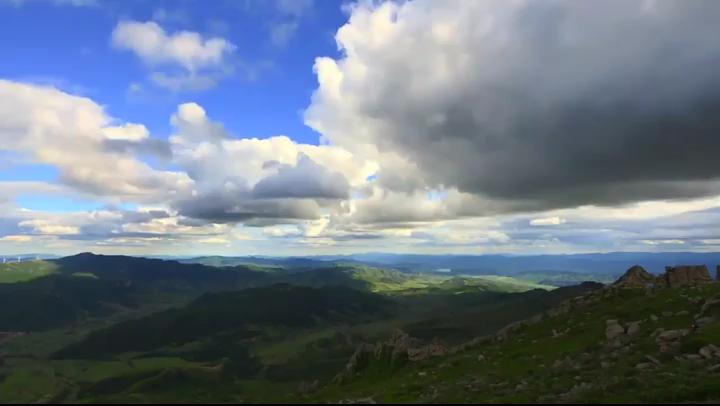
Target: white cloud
(16, 238)
(204, 61)
(663, 242)
(154, 46)
(128, 132)
(40, 226)
(547, 221)
(70, 132)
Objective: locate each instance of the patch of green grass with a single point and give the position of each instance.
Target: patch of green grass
(15, 272)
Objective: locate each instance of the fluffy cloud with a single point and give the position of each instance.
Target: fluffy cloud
(203, 61)
(48, 126)
(494, 126)
(240, 179)
(541, 105)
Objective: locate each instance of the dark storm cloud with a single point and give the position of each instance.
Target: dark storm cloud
(232, 207)
(307, 179)
(553, 104)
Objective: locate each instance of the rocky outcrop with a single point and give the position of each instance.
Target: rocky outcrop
(686, 275)
(395, 351)
(636, 277)
(674, 277)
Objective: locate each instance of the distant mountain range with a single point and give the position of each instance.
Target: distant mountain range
(610, 264)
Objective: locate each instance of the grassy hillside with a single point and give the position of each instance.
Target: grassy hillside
(55, 300)
(267, 341)
(566, 358)
(159, 274)
(238, 315)
(14, 272)
(395, 282)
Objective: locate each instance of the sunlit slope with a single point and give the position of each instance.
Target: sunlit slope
(579, 354)
(13, 272)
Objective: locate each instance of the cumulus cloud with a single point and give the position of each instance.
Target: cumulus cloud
(551, 104)
(52, 127)
(242, 179)
(454, 126)
(202, 61)
(306, 179)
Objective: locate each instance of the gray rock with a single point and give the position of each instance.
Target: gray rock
(687, 275)
(709, 352)
(671, 335)
(704, 321)
(633, 328)
(613, 330)
(653, 359)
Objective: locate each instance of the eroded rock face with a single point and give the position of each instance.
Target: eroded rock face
(674, 277)
(394, 351)
(636, 277)
(687, 275)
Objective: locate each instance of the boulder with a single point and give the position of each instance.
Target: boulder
(672, 335)
(709, 352)
(613, 330)
(632, 328)
(669, 341)
(686, 275)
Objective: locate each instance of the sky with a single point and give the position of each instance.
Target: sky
(303, 127)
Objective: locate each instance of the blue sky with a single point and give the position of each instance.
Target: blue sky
(312, 127)
(68, 47)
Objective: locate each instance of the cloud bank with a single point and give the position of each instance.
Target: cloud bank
(453, 126)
